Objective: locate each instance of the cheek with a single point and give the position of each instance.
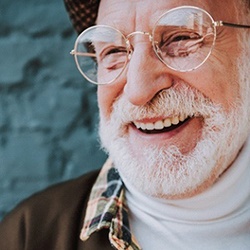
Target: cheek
(107, 94)
(218, 77)
(218, 82)
(103, 102)
(222, 73)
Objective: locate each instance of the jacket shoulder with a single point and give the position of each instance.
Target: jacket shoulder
(50, 219)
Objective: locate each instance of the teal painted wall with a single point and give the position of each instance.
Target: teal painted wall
(48, 113)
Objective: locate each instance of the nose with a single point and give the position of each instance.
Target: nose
(145, 76)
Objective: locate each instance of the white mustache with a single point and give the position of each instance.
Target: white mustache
(167, 103)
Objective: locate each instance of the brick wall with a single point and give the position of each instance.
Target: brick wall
(48, 114)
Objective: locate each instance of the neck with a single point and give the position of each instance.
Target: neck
(222, 210)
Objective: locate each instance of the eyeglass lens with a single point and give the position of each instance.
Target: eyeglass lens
(182, 39)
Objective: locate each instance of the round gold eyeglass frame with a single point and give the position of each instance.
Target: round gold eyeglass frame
(126, 38)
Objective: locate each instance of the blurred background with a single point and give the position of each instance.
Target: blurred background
(48, 113)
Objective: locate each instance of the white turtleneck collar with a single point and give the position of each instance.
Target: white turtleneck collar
(219, 218)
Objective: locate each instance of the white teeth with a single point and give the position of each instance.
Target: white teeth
(149, 126)
(182, 118)
(175, 120)
(167, 122)
(143, 126)
(161, 123)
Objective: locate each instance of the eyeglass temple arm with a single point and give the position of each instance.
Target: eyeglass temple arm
(234, 25)
(73, 52)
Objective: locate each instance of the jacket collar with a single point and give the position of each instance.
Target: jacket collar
(107, 209)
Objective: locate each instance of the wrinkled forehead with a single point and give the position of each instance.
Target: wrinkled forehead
(125, 13)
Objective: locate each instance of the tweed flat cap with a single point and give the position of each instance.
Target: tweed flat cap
(82, 13)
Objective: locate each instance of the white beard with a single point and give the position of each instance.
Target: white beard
(165, 171)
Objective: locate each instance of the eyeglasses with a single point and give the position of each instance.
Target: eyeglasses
(182, 39)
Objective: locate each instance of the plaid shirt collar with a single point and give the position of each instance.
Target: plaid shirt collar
(107, 209)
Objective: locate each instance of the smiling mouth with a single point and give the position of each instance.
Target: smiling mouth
(161, 126)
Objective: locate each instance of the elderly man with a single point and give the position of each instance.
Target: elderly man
(173, 93)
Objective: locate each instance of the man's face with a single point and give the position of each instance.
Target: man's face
(171, 133)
